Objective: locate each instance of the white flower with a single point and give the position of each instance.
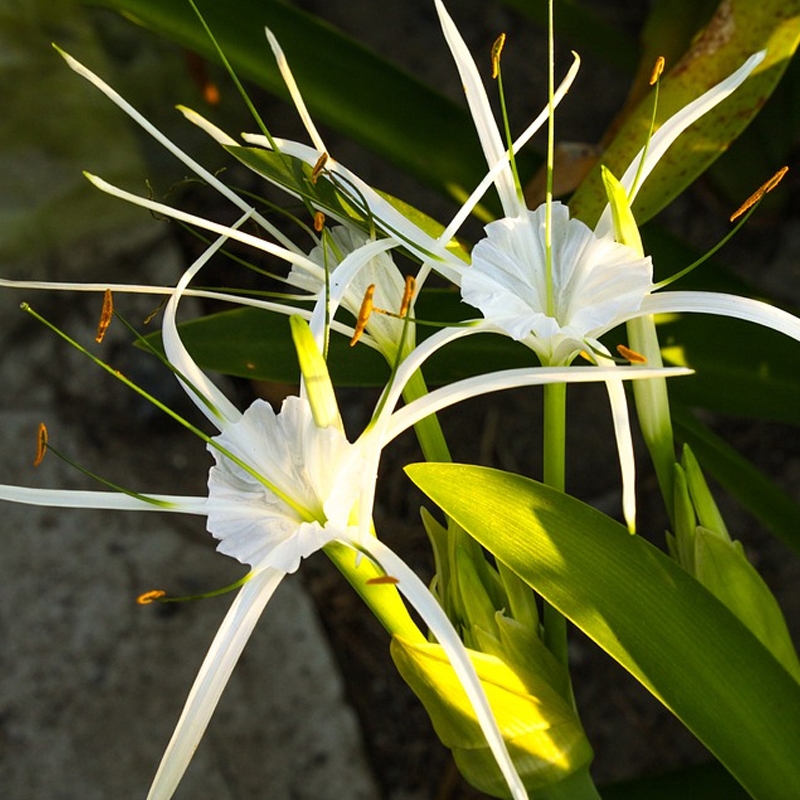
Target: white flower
(595, 282)
(349, 286)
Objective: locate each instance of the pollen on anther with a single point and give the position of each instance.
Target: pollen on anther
(41, 444)
(363, 313)
(319, 167)
(150, 597)
(319, 221)
(631, 355)
(497, 49)
(658, 70)
(759, 193)
(106, 315)
(408, 295)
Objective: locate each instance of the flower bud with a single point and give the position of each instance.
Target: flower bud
(541, 729)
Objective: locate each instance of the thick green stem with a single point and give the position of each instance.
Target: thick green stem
(555, 430)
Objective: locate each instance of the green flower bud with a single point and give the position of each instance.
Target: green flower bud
(542, 731)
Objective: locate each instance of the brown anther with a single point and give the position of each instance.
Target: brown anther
(631, 355)
(363, 313)
(319, 221)
(150, 597)
(41, 444)
(408, 295)
(497, 49)
(211, 93)
(105, 316)
(383, 579)
(760, 192)
(658, 70)
(319, 167)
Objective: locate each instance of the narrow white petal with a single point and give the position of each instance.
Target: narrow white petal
(69, 498)
(490, 177)
(386, 216)
(133, 288)
(429, 609)
(214, 674)
(723, 305)
(202, 391)
(222, 230)
(297, 98)
(627, 461)
(492, 142)
(199, 121)
(438, 399)
(664, 137)
(197, 168)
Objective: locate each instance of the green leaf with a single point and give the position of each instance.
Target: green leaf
(345, 85)
(738, 29)
(709, 781)
(660, 624)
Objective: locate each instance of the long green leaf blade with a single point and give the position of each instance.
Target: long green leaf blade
(644, 610)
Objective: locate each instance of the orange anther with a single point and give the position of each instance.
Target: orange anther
(383, 579)
(408, 295)
(497, 49)
(319, 167)
(760, 192)
(105, 316)
(631, 355)
(150, 597)
(41, 444)
(363, 313)
(319, 221)
(658, 70)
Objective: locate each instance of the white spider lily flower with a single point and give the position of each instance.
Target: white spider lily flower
(351, 279)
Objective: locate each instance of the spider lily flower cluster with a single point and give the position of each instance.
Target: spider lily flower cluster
(285, 485)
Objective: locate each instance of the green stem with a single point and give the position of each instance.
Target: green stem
(555, 429)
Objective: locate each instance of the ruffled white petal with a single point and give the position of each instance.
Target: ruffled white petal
(316, 469)
(212, 678)
(595, 280)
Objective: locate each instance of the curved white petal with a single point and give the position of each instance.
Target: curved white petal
(664, 137)
(429, 609)
(256, 242)
(118, 501)
(409, 415)
(212, 678)
(492, 142)
(627, 461)
(723, 305)
(202, 391)
(297, 98)
(359, 262)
